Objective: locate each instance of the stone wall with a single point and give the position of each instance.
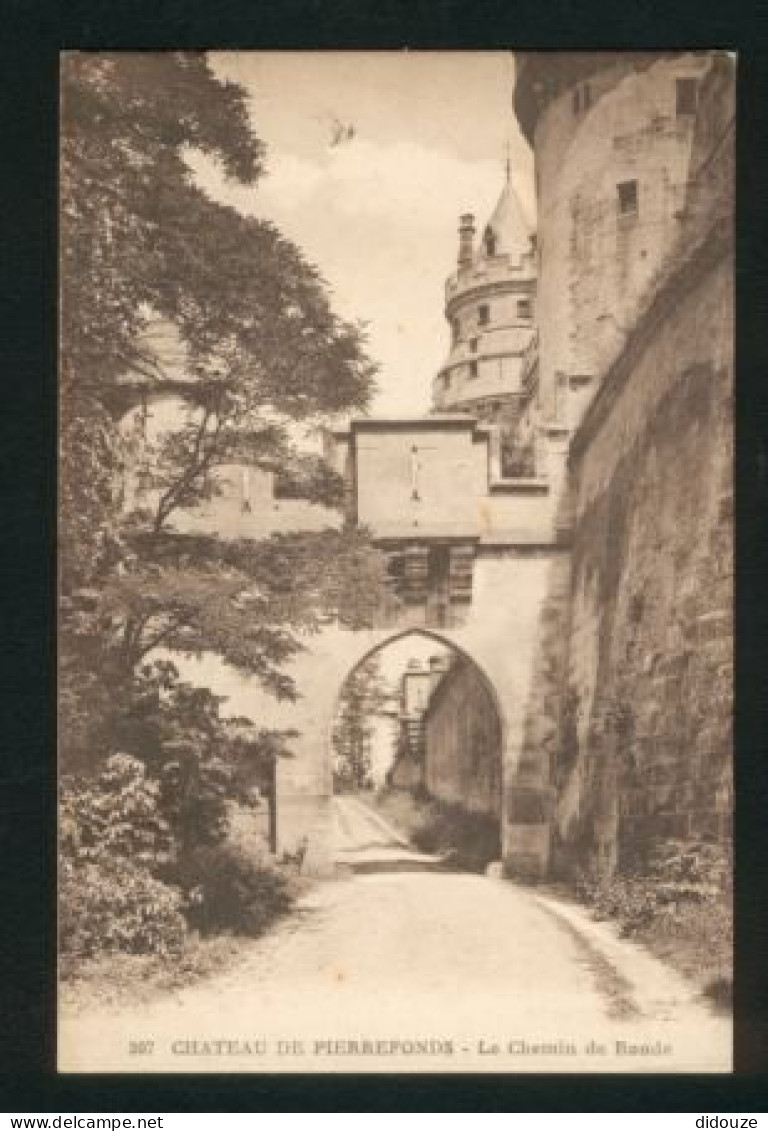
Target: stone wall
(619, 125)
(462, 734)
(646, 751)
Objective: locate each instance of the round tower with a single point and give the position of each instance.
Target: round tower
(612, 136)
(490, 307)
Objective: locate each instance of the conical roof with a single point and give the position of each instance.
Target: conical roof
(508, 231)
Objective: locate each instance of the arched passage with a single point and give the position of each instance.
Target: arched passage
(418, 735)
(501, 635)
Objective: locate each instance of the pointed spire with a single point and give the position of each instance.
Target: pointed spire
(508, 231)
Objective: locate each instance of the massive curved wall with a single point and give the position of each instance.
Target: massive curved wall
(649, 752)
(612, 138)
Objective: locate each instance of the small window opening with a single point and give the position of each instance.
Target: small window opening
(489, 239)
(455, 330)
(524, 309)
(473, 345)
(483, 314)
(473, 369)
(627, 194)
(686, 92)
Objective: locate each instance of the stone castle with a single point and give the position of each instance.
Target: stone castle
(562, 516)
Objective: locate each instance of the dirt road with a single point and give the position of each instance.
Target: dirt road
(417, 971)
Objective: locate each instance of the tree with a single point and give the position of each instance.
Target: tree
(141, 240)
(363, 696)
(262, 349)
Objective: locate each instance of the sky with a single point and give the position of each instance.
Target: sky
(425, 138)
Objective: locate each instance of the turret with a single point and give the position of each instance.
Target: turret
(490, 307)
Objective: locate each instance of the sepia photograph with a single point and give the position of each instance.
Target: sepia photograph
(395, 569)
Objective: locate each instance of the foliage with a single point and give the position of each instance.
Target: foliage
(362, 697)
(632, 901)
(468, 840)
(260, 348)
(229, 889)
(680, 905)
(568, 752)
(471, 839)
(192, 759)
(112, 905)
(119, 978)
(124, 836)
(141, 241)
(518, 458)
(676, 873)
(112, 837)
(249, 601)
(117, 815)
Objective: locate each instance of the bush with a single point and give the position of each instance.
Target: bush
(633, 901)
(677, 875)
(679, 905)
(115, 815)
(228, 889)
(110, 905)
(112, 838)
(472, 839)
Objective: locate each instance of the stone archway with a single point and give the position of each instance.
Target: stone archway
(511, 634)
(445, 737)
(502, 648)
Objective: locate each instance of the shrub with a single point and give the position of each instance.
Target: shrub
(228, 889)
(680, 906)
(112, 905)
(633, 901)
(112, 838)
(472, 839)
(677, 875)
(115, 815)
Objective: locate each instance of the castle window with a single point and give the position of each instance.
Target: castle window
(686, 91)
(627, 198)
(483, 314)
(473, 345)
(473, 369)
(524, 309)
(489, 239)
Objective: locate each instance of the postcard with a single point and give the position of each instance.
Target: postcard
(395, 606)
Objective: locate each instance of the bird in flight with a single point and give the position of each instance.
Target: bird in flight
(340, 132)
